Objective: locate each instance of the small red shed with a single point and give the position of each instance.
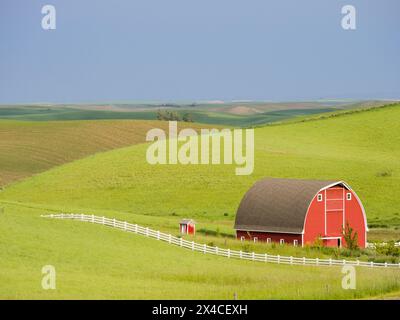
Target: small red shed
(299, 212)
(187, 226)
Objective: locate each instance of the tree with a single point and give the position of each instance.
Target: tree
(168, 115)
(350, 237)
(160, 115)
(187, 117)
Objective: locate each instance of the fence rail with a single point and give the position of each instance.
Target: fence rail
(204, 248)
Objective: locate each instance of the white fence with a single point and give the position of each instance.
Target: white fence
(123, 225)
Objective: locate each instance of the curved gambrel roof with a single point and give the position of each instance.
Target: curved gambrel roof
(279, 205)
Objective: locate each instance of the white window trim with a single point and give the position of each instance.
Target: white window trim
(282, 241)
(295, 242)
(242, 238)
(319, 197)
(268, 240)
(255, 239)
(348, 196)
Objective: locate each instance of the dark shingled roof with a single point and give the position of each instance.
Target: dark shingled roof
(278, 205)
(186, 221)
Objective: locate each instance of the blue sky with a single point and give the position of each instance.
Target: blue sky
(170, 50)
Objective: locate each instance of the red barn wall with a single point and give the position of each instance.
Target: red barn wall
(353, 214)
(355, 217)
(191, 229)
(263, 236)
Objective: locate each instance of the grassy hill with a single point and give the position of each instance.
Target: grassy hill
(361, 148)
(97, 262)
(27, 148)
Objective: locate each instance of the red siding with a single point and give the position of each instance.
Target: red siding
(187, 228)
(339, 211)
(191, 229)
(263, 236)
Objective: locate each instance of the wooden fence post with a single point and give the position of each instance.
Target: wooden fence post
(205, 248)
(279, 259)
(304, 260)
(229, 253)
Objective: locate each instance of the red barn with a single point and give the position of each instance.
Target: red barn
(299, 212)
(187, 226)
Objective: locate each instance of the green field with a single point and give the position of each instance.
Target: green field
(361, 148)
(97, 262)
(238, 114)
(31, 147)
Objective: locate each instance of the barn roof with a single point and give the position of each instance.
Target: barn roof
(278, 205)
(186, 221)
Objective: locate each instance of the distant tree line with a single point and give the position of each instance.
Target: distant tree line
(166, 115)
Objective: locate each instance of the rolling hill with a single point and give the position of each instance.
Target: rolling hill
(27, 147)
(360, 148)
(239, 113)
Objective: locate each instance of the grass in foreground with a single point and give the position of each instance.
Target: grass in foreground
(97, 262)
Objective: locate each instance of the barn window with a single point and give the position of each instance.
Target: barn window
(268, 240)
(242, 238)
(295, 242)
(348, 196)
(255, 239)
(319, 198)
(282, 241)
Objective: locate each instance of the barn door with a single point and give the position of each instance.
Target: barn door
(183, 228)
(334, 211)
